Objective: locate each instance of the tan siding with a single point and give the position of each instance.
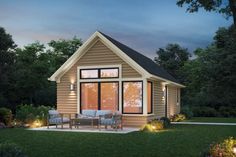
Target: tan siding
(173, 108)
(134, 121)
(98, 54)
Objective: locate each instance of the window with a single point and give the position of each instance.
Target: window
(99, 96)
(109, 73)
(149, 97)
(89, 73)
(99, 73)
(132, 97)
(109, 96)
(89, 96)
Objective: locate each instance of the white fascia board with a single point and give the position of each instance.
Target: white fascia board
(168, 81)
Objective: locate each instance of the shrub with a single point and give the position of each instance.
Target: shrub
(5, 116)
(223, 149)
(153, 126)
(165, 121)
(177, 118)
(187, 112)
(27, 114)
(11, 150)
(205, 112)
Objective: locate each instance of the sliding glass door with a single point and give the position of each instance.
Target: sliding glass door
(99, 96)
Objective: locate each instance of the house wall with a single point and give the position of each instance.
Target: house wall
(173, 107)
(98, 54)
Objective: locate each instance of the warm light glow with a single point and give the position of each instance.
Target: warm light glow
(37, 123)
(71, 86)
(234, 149)
(153, 127)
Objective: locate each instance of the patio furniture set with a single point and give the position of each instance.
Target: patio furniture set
(91, 118)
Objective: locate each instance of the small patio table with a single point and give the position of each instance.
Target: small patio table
(76, 121)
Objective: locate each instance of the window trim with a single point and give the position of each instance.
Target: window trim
(99, 93)
(151, 97)
(122, 97)
(99, 73)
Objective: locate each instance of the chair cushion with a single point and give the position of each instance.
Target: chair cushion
(109, 121)
(53, 114)
(89, 113)
(58, 120)
(103, 112)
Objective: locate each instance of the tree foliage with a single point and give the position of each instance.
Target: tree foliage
(7, 58)
(24, 71)
(225, 7)
(172, 58)
(211, 77)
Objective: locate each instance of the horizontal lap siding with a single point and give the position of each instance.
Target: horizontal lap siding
(98, 54)
(173, 108)
(159, 103)
(134, 121)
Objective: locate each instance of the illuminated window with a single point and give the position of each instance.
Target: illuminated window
(89, 73)
(109, 73)
(99, 73)
(149, 97)
(132, 97)
(109, 96)
(89, 96)
(99, 96)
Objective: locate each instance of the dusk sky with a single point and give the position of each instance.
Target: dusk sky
(144, 25)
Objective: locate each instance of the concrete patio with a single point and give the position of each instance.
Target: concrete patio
(87, 129)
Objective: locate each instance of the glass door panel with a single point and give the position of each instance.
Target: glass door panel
(109, 96)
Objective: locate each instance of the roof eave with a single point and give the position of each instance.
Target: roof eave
(168, 81)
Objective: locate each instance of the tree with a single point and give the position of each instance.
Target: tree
(62, 49)
(211, 76)
(7, 58)
(225, 7)
(172, 58)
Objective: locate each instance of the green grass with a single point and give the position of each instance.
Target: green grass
(178, 141)
(212, 119)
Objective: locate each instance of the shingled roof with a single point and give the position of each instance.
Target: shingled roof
(145, 62)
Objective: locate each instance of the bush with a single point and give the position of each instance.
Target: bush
(165, 121)
(223, 149)
(187, 112)
(11, 150)
(177, 118)
(227, 111)
(5, 116)
(205, 112)
(27, 114)
(153, 126)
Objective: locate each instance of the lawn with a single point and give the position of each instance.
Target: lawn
(212, 119)
(178, 141)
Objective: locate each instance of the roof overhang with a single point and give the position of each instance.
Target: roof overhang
(165, 81)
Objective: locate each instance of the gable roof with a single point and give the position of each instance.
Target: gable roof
(142, 63)
(142, 60)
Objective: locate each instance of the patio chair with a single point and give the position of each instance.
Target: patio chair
(56, 118)
(113, 120)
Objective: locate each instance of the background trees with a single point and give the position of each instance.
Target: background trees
(24, 71)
